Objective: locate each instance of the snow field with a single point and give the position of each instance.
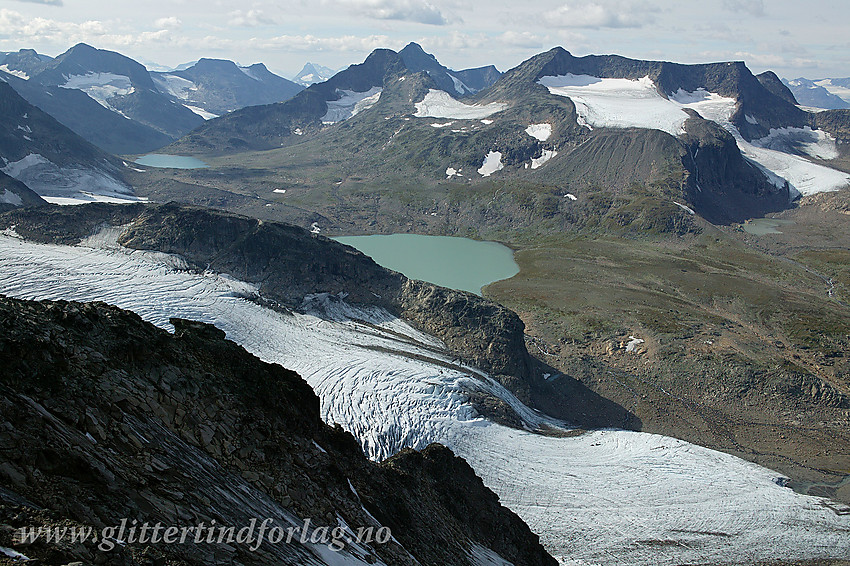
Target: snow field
(439, 104)
(625, 103)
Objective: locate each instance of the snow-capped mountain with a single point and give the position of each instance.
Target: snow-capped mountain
(212, 87)
(52, 160)
(814, 94)
(107, 98)
(458, 83)
(738, 144)
(394, 386)
(313, 73)
(344, 95)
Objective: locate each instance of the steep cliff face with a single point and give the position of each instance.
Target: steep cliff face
(287, 263)
(106, 417)
(721, 184)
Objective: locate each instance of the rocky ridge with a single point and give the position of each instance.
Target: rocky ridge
(106, 417)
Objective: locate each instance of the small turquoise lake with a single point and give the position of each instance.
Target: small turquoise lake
(171, 161)
(456, 263)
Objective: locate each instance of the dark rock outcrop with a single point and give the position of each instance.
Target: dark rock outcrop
(105, 417)
(721, 184)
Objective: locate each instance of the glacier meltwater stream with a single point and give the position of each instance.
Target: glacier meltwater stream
(604, 497)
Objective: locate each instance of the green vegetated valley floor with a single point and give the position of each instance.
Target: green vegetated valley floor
(745, 339)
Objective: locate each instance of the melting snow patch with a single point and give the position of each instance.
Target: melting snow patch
(571, 196)
(201, 112)
(14, 73)
(492, 163)
(280, 191)
(486, 122)
(750, 119)
(8, 197)
(452, 172)
(298, 132)
(687, 209)
(633, 343)
(350, 103)
(314, 228)
(539, 131)
(546, 156)
(439, 104)
(443, 125)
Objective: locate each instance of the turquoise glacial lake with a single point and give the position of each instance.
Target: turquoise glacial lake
(456, 263)
(171, 161)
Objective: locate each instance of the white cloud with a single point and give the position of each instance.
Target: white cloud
(751, 7)
(171, 22)
(313, 43)
(403, 10)
(33, 30)
(46, 2)
(597, 15)
(250, 18)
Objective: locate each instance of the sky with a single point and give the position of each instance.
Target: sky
(793, 38)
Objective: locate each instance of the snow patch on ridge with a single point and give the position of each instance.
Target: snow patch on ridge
(439, 104)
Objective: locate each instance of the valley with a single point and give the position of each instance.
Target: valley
(661, 377)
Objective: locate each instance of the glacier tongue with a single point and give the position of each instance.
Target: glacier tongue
(601, 497)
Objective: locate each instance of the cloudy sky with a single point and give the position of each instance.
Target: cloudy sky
(791, 37)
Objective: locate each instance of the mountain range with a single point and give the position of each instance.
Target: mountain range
(684, 273)
(829, 94)
(118, 105)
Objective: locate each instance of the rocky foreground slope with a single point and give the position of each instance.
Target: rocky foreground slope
(106, 417)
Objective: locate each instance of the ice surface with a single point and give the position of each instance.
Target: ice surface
(602, 497)
(539, 131)
(814, 143)
(100, 86)
(439, 104)
(177, 87)
(350, 104)
(492, 163)
(70, 184)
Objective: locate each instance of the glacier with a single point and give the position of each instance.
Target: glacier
(606, 496)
